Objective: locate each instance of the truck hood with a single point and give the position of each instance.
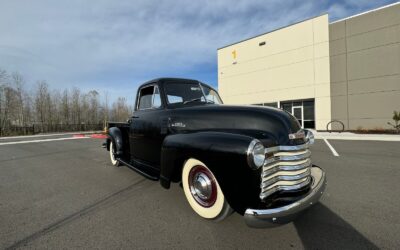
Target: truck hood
(270, 125)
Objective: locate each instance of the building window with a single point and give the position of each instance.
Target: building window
(271, 104)
(267, 104)
(303, 110)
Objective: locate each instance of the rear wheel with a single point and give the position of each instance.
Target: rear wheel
(114, 161)
(203, 191)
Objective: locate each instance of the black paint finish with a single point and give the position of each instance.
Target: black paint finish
(159, 141)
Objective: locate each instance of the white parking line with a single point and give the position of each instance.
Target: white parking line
(331, 148)
(45, 135)
(44, 140)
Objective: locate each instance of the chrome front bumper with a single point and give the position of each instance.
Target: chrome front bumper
(281, 215)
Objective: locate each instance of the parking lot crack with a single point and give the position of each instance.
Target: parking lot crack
(74, 216)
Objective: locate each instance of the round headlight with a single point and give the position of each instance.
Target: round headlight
(310, 137)
(255, 154)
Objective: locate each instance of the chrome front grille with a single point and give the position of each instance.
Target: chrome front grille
(286, 168)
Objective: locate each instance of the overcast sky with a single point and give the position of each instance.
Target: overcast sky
(115, 45)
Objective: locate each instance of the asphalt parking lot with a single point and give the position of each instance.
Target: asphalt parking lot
(66, 194)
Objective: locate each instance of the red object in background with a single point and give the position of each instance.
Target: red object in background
(98, 136)
(78, 135)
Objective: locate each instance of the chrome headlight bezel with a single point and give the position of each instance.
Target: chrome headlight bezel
(309, 137)
(255, 154)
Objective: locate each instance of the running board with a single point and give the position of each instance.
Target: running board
(151, 177)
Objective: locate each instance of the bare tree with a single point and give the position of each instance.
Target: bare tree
(3, 100)
(65, 107)
(17, 85)
(42, 99)
(120, 110)
(53, 109)
(76, 106)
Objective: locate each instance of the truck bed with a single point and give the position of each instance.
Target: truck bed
(117, 124)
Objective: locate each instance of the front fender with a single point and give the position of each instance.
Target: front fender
(225, 154)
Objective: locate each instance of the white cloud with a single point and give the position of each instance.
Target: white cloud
(97, 43)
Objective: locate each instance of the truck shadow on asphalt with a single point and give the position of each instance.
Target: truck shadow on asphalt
(320, 228)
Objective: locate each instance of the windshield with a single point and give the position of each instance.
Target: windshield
(183, 93)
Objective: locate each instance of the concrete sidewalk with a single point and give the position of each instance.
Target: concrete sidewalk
(353, 136)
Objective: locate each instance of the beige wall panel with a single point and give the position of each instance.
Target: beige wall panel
(289, 57)
(337, 30)
(323, 90)
(398, 33)
(321, 50)
(373, 20)
(276, 78)
(373, 62)
(294, 64)
(378, 84)
(337, 47)
(370, 124)
(339, 111)
(290, 75)
(322, 112)
(298, 92)
(303, 92)
(339, 89)
(265, 63)
(339, 108)
(323, 108)
(374, 38)
(283, 39)
(374, 105)
(321, 66)
(338, 69)
(321, 33)
(244, 68)
(276, 42)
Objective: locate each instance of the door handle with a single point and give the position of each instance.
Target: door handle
(133, 117)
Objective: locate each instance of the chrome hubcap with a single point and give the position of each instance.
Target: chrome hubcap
(202, 186)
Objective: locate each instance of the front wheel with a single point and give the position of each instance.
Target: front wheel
(203, 191)
(114, 161)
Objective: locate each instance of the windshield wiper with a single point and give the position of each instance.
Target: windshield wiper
(193, 100)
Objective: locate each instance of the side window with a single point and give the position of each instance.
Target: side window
(149, 97)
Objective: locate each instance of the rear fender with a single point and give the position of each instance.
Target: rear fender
(115, 135)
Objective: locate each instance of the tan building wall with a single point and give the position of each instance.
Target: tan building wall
(365, 68)
(293, 64)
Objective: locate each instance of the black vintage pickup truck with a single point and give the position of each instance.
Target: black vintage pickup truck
(252, 160)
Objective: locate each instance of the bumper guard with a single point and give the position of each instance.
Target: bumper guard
(282, 215)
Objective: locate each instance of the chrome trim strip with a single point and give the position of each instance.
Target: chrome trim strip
(287, 148)
(277, 168)
(280, 158)
(275, 179)
(267, 192)
(281, 215)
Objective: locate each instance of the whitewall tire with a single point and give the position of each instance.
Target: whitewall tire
(114, 162)
(203, 191)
